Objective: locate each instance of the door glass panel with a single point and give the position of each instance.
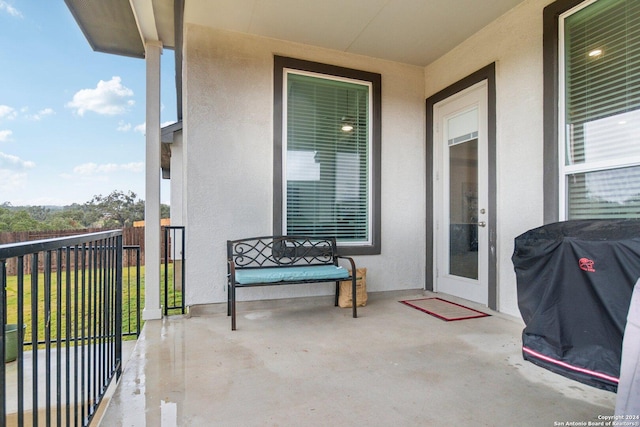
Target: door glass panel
(463, 195)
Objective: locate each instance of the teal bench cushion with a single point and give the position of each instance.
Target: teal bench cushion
(286, 274)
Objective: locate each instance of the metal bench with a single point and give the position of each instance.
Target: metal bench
(284, 260)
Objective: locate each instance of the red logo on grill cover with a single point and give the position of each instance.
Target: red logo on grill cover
(586, 264)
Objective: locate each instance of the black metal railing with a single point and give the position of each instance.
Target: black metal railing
(174, 256)
(131, 296)
(67, 293)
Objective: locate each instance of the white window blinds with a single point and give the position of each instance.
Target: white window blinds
(327, 158)
(602, 110)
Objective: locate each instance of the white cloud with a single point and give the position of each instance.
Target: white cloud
(5, 135)
(10, 181)
(92, 169)
(123, 127)
(141, 128)
(133, 167)
(11, 113)
(40, 114)
(6, 7)
(108, 98)
(14, 163)
(7, 112)
(85, 169)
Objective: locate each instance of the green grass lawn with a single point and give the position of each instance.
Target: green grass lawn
(132, 303)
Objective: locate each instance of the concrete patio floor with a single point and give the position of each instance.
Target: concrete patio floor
(304, 362)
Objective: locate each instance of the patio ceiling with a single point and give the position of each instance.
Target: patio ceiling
(409, 31)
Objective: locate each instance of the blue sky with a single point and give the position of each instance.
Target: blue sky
(71, 119)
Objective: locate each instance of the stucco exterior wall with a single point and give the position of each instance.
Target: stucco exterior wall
(228, 147)
(514, 43)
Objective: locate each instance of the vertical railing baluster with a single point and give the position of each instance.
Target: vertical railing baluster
(47, 334)
(69, 338)
(100, 310)
(183, 263)
(84, 395)
(109, 318)
(92, 342)
(172, 255)
(76, 280)
(59, 336)
(118, 307)
(20, 297)
(138, 296)
(3, 319)
(34, 337)
(96, 325)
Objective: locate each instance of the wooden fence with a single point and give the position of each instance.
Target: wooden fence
(130, 236)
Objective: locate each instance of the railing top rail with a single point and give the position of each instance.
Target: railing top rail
(11, 250)
(174, 227)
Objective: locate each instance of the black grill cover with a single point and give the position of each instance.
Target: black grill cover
(575, 281)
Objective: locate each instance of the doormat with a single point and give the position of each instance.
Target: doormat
(445, 310)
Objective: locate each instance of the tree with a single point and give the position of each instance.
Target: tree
(5, 218)
(118, 209)
(39, 213)
(165, 211)
(22, 221)
(84, 216)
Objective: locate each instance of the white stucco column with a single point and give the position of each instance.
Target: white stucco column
(152, 309)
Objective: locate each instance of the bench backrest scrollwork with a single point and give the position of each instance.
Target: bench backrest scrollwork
(282, 251)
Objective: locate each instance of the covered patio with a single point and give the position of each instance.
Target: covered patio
(305, 362)
(295, 359)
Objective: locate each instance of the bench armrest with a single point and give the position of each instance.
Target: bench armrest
(351, 261)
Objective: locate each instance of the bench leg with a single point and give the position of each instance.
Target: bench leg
(233, 307)
(353, 294)
(337, 292)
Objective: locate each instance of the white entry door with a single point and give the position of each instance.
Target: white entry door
(461, 194)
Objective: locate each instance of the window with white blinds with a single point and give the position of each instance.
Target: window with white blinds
(327, 157)
(600, 141)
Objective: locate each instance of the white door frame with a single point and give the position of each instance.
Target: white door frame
(487, 73)
(461, 283)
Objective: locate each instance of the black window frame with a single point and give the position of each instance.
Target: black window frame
(551, 113)
(551, 91)
(280, 64)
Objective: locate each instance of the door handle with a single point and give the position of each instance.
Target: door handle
(482, 224)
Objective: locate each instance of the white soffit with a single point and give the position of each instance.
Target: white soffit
(155, 20)
(145, 19)
(164, 19)
(409, 31)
